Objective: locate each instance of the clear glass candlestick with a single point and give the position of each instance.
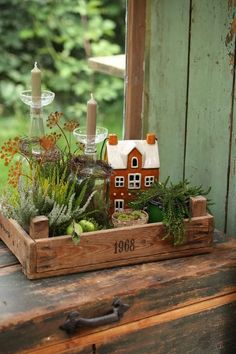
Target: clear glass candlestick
(90, 141)
(36, 104)
(94, 173)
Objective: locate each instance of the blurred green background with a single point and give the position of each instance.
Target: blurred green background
(60, 35)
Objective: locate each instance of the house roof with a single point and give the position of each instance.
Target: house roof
(118, 154)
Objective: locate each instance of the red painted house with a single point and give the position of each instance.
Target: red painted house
(136, 166)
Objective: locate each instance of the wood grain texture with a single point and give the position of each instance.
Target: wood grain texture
(150, 289)
(181, 330)
(70, 347)
(135, 44)
(98, 247)
(198, 206)
(189, 96)
(231, 210)
(182, 335)
(209, 102)
(39, 227)
(103, 249)
(6, 258)
(19, 242)
(166, 81)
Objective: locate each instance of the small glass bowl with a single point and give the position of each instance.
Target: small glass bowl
(82, 137)
(46, 98)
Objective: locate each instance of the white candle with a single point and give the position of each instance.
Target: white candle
(91, 116)
(36, 84)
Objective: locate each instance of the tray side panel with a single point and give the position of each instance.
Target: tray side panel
(17, 240)
(127, 245)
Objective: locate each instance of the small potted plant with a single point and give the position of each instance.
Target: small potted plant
(129, 217)
(169, 203)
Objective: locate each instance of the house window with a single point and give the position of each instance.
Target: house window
(149, 180)
(134, 162)
(134, 180)
(119, 181)
(118, 204)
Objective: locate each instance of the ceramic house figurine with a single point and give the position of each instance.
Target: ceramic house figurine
(135, 166)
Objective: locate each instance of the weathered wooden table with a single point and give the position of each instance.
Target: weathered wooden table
(179, 306)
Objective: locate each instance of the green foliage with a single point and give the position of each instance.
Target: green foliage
(174, 203)
(51, 196)
(19, 205)
(60, 35)
(128, 215)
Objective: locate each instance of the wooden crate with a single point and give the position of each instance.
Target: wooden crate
(44, 257)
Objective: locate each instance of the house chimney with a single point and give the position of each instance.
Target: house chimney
(151, 138)
(112, 139)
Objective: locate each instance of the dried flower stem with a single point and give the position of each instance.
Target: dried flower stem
(67, 142)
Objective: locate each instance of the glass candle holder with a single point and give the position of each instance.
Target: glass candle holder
(36, 104)
(94, 174)
(90, 141)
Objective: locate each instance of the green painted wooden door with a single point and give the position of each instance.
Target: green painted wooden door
(189, 96)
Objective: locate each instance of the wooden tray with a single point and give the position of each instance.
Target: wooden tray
(42, 256)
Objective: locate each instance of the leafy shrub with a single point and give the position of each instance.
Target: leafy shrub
(60, 36)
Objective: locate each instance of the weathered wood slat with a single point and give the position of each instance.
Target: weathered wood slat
(6, 258)
(106, 265)
(183, 335)
(70, 347)
(183, 329)
(209, 101)
(231, 210)
(98, 247)
(103, 249)
(135, 44)
(166, 81)
(150, 289)
(198, 206)
(19, 242)
(189, 70)
(39, 227)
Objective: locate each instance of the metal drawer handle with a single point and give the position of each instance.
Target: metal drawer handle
(74, 320)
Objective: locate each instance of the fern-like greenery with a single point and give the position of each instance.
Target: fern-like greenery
(174, 202)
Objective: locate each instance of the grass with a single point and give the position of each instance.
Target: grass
(10, 127)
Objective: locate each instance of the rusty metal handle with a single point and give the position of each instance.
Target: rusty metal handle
(74, 320)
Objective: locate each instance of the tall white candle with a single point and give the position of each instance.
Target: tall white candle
(91, 116)
(36, 84)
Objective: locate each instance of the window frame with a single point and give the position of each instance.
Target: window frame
(135, 181)
(122, 202)
(119, 177)
(134, 158)
(149, 184)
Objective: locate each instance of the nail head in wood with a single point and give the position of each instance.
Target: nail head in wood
(198, 206)
(39, 227)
